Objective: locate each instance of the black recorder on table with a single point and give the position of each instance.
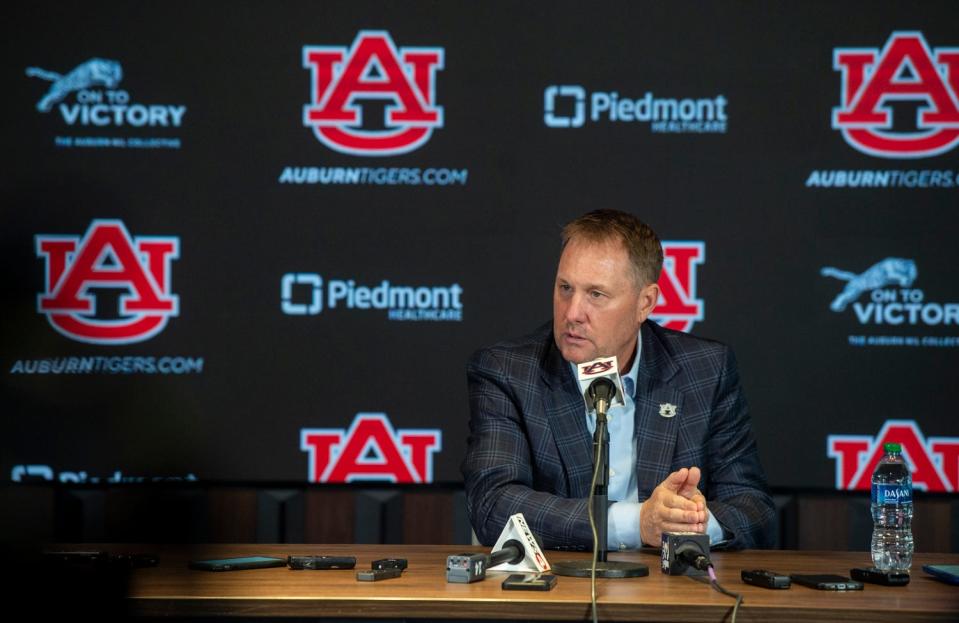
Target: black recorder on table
(765, 578)
(382, 569)
(317, 563)
(826, 582)
(878, 576)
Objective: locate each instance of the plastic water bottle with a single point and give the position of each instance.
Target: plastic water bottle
(892, 544)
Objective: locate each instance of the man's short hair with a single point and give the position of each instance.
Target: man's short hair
(641, 242)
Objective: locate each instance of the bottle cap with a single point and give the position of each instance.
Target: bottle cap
(892, 447)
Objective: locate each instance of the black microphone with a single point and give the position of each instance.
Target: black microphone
(694, 557)
(684, 552)
(513, 552)
(468, 568)
(600, 394)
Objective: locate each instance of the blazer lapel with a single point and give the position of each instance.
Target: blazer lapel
(659, 408)
(566, 413)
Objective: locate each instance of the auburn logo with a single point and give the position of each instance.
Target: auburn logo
(678, 308)
(84, 275)
(933, 461)
(905, 70)
(370, 450)
(373, 99)
(597, 368)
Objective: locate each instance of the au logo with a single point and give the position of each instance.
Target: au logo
(598, 368)
(678, 308)
(371, 450)
(667, 409)
(905, 69)
(934, 462)
(346, 82)
(81, 270)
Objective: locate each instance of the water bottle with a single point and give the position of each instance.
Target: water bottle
(892, 512)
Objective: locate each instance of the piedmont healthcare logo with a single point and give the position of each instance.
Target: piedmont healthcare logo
(373, 99)
(304, 294)
(678, 307)
(108, 288)
(897, 102)
(883, 295)
(370, 449)
(46, 473)
(934, 462)
(88, 96)
(572, 106)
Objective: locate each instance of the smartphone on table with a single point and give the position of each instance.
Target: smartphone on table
(237, 564)
(826, 582)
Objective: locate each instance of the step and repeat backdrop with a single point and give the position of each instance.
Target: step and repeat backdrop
(257, 241)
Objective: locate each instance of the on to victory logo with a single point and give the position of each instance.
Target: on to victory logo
(346, 82)
(905, 69)
(98, 100)
(934, 462)
(81, 273)
(371, 450)
(678, 308)
(892, 299)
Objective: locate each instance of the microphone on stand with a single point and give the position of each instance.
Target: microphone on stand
(602, 389)
(603, 368)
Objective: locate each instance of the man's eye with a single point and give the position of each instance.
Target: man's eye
(596, 294)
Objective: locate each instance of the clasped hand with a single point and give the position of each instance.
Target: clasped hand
(676, 505)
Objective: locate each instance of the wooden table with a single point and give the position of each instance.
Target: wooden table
(422, 592)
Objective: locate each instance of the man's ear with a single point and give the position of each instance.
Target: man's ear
(648, 297)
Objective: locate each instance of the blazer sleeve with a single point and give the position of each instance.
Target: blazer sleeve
(498, 470)
(736, 489)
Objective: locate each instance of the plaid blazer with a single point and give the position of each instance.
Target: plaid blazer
(529, 450)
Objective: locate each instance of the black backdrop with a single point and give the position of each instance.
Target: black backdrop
(764, 184)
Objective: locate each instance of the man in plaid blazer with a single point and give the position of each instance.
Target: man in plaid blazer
(694, 463)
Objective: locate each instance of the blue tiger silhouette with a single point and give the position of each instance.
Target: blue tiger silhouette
(94, 72)
(890, 271)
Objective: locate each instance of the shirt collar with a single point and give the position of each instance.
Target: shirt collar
(629, 379)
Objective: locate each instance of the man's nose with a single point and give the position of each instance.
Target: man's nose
(576, 310)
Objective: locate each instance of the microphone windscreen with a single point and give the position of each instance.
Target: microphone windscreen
(601, 389)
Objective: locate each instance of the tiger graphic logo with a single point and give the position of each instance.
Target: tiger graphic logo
(890, 271)
(94, 72)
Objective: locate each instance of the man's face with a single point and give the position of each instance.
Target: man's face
(597, 304)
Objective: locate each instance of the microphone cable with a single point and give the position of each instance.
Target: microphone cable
(703, 563)
(719, 587)
(600, 435)
(698, 559)
(592, 524)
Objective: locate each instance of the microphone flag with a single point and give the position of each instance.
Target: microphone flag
(589, 371)
(534, 561)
